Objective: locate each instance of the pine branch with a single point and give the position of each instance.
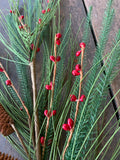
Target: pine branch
(29, 118)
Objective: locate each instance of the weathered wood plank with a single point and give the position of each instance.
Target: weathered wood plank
(97, 16)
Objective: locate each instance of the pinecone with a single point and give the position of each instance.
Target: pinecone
(4, 156)
(5, 121)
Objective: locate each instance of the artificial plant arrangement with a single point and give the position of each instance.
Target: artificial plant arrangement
(65, 105)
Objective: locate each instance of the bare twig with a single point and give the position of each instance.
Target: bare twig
(52, 95)
(36, 117)
(77, 105)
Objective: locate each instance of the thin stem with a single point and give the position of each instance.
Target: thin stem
(21, 140)
(52, 95)
(54, 74)
(77, 105)
(46, 131)
(36, 117)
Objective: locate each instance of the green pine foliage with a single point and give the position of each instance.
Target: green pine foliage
(95, 83)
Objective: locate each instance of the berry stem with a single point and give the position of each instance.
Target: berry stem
(52, 94)
(24, 25)
(16, 92)
(77, 105)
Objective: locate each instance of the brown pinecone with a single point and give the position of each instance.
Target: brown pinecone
(4, 156)
(5, 121)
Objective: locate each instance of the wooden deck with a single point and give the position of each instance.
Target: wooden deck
(78, 9)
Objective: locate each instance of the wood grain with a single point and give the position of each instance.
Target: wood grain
(97, 16)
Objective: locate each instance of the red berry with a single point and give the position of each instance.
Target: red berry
(73, 98)
(8, 82)
(58, 35)
(10, 11)
(58, 58)
(48, 87)
(78, 53)
(21, 27)
(39, 21)
(52, 58)
(22, 16)
(38, 49)
(1, 70)
(66, 127)
(21, 108)
(70, 123)
(75, 73)
(82, 45)
(42, 139)
(43, 11)
(46, 113)
(53, 113)
(32, 46)
(82, 98)
(58, 42)
(48, 10)
(78, 67)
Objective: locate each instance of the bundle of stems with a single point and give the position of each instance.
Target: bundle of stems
(50, 91)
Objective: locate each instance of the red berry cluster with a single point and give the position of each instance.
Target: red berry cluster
(39, 21)
(11, 11)
(8, 82)
(47, 114)
(69, 125)
(42, 139)
(82, 45)
(58, 36)
(73, 98)
(21, 27)
(52, 58)
(76, 71)
(32, 48)
(49, 87)
(21, 17)
(44, 11)
(1, 69)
